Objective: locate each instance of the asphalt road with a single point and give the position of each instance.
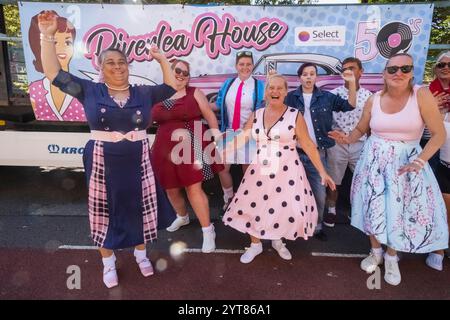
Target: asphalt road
(44, 237)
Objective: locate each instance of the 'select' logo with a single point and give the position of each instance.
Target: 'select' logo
(303, 36)
(320, 36)
(56, 149)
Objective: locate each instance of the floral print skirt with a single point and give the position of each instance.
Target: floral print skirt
(405, 212)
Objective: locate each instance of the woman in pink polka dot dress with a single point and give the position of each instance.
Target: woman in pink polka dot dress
(49, 102)
(275, 199)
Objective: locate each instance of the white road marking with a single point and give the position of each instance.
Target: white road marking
(338, 255)
(228, 251)
(68, 247)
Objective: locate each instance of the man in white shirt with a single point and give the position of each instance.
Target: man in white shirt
(342, 156)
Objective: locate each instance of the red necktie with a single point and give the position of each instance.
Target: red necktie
(237, 108)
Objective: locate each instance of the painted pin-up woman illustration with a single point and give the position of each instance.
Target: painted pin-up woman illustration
(49, 103)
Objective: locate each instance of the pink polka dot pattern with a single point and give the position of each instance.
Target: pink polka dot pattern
(43, 110)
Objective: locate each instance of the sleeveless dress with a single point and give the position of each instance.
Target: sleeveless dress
(274, 199)
(405, 212)
(178, 163)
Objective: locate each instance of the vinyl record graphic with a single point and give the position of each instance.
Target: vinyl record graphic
(395, 37)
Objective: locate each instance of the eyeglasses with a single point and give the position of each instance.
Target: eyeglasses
(403, 69)
(244, 54)
(441, 65)
(183, 72)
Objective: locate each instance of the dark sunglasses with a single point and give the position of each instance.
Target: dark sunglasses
(183, 72)
(403, 69)
(441, 65)
(244, 54)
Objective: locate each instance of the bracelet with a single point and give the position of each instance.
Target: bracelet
(43, 37)
(420, 164)
(421, 161)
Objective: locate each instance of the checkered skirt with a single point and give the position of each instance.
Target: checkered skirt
(98, 198)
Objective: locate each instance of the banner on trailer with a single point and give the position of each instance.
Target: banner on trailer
(208, 37)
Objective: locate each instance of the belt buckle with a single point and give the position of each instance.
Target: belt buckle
(118, 136)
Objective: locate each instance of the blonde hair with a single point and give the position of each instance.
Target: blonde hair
(411, 81)
(273, 76)
(442, 55)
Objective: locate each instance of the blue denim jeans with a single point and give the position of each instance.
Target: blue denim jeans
(314, 179)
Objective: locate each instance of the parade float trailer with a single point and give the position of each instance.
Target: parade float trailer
(281, 38)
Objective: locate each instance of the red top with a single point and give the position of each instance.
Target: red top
(436, 87)
(178, 116)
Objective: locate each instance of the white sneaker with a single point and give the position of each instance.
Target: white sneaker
(280, 247)
(370, 263)
(178, 223)
(434, 261)
(110, 278)
(209, 241)
(392, 272)
(251, 252)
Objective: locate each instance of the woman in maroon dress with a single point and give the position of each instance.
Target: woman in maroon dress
(182, 154)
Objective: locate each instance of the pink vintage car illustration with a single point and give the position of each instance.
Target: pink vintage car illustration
(329, 71)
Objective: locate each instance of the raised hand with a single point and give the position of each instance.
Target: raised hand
(348, 76)
(156, 53)
(339, 136)
(47, 22)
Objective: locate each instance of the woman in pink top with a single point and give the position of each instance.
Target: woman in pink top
(49, 102)
(395, 196)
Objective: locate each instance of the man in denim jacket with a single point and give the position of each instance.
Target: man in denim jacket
(317, 107)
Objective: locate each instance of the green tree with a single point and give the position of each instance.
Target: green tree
(12, 21)
(440, 33)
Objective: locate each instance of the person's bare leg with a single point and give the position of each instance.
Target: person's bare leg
(106, 253)
(374, 242)
(140, 247)
(226, 182)
(225, 177)
(255, 240)
(199, 202)
(391, 252)
(176, 198)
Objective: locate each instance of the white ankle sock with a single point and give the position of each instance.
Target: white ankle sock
(256, 245)
(140, 254)
(209, 228)
(185, 217)
(377, 251)
(332, 210)
(277, 242)
(388, 257)
(228, 193)
(109, 262)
